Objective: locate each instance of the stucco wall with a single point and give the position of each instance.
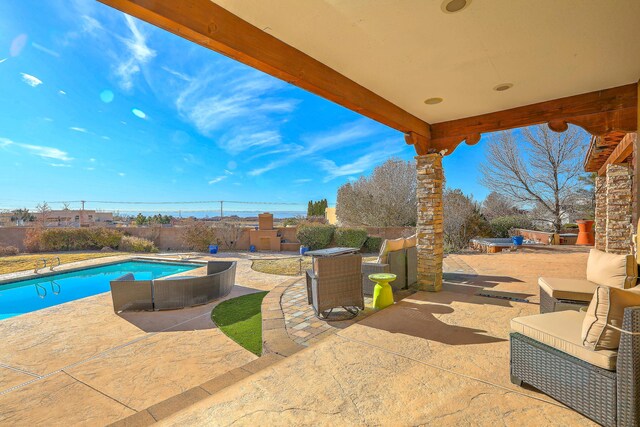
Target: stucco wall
(170, 238)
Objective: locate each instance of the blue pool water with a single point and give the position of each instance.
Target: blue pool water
(25, 296)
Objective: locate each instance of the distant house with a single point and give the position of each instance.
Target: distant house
(78, 218)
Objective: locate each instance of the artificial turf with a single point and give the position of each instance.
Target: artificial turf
(241, 320)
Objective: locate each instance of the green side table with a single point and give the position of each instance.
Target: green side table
(382, 292)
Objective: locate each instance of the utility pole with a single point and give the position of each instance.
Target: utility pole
(221, 211)
(81, 212)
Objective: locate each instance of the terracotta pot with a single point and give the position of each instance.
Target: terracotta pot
(585, 232)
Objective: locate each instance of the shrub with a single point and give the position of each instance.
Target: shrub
(350, 237)
(32, 240)
(136, 244)
(8, 250)
(198, 236)
(373, 244)
(71, 239)
(103, 237)
(230, 233)
(315, 236)
(570, 226)
(501, 226)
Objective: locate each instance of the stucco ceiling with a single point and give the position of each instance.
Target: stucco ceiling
(410, 50)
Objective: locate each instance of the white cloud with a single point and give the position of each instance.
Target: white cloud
(138, 55)
(242, 140)
(241, 107)
(178, 74)
(218, 179)
(45, 50)
(378, 153)
(89, 169)
(92, 160)
(37, 150)
(121, 174)
(90, 24)
(32, 81)
(302, 180)
(78, 129)
(2, 60)
(61, 92)
(59, 165)
(339, 138)
(106, 138)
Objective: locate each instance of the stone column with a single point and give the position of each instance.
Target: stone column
(601, 213)
(429, 226)
(619, 209)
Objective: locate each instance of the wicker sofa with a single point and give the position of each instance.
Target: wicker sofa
(129, 294)
(557, 294)
(402, 262)
(604, 385)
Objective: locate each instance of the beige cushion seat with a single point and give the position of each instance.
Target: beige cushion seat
(568, 289)
(562, 330)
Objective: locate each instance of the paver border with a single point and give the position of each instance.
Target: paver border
(275, 338)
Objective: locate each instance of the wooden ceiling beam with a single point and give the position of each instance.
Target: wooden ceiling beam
(207, 24)
(620, 154)
(599, 113)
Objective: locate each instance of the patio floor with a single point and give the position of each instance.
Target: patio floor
(433, 357)
(80, 363)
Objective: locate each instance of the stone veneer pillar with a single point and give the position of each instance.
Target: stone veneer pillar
(600, 225)
(429, 226)
(619, 210)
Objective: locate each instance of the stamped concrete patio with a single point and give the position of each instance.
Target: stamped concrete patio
(432, 357)
(80, 363)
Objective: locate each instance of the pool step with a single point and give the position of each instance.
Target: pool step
(194, 395)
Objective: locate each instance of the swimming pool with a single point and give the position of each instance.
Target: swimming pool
(25, 296)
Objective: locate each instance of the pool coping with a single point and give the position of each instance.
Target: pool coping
(25, 275)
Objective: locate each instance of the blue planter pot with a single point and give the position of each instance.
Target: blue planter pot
(303, 250)
(213, 249)
(252, 248)
(517, 240)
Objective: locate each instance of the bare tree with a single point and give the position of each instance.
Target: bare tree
(544, 172)
(43, 212)
(462, 219)
(496, 205)
(386, 198)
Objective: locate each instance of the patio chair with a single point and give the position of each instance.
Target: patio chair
(336, 282)
(602, 269)
(554, 353)
(399, 257)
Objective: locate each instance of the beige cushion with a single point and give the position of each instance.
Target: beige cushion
(410, 242)
(562, 330)
(389, 245)
(607, 308)
(569, 289)
(619, 271)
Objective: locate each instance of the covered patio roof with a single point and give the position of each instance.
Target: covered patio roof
(567, 62)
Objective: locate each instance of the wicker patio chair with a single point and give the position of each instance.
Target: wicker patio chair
(558, 294)
(336, 282)
(608, 394)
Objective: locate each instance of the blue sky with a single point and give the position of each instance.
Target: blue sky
(101, 106)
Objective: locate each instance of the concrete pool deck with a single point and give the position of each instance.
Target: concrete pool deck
(431, 358)
(80, 363)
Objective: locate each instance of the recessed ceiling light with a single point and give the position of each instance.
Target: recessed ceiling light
(453, 6)
(433, 101)
(503, 86)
